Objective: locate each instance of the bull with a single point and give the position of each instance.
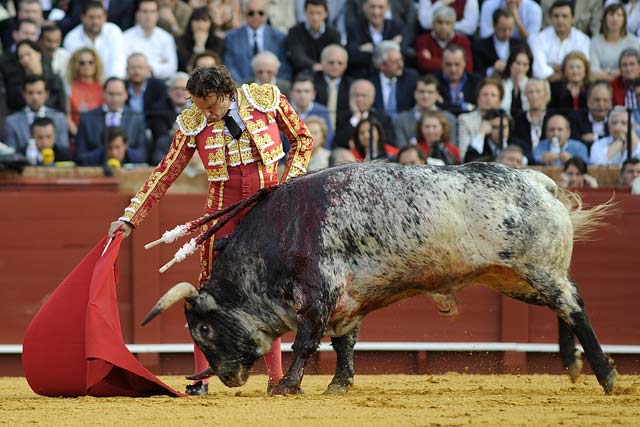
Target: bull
(322, 251)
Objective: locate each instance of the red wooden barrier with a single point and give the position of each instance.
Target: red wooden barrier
(45, 234)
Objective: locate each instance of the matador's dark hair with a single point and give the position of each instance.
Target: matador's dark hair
(216, 80)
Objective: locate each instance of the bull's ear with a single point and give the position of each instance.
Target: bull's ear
(202, 303)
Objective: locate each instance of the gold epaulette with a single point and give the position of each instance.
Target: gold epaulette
(191, 121)
(263, 98)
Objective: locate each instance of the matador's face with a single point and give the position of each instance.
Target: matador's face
(212, 106)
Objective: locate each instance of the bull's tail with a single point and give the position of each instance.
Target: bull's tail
(584, 221)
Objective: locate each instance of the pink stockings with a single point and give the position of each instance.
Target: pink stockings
(273, 360)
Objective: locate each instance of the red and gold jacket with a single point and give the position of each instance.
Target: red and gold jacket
(264, 111)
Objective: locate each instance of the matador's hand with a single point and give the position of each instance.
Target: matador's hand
(125, 227)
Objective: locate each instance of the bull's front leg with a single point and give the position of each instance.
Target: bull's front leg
(312, 317)
(343, 379)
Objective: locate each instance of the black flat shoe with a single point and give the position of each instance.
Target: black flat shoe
(197, 389)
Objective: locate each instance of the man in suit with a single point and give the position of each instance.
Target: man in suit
(162, 116)
(90, 141)
(43, 132)
(456, 87)
(361, 96)
(243, 43)
(118, 12)
(307, 39)
(590, 125)
(29, 10)
(366, 33)
(491, 53)
(394, 82)
(303, 94)
(265, 67)
(425, 96)
(332, 85)
(17, 128)
(143, 90)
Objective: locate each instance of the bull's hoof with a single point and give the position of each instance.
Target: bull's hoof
(575, 369)
(335, 388)
(281, 389)
(197, 389)
(609, 382)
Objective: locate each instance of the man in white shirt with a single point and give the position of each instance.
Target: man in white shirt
(554, 43)
(612, 150)
(104, 37)
(526, 13)
(155, 43)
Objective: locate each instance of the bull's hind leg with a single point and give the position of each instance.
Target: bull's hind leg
(600, 363)
(563, 297)
(343, 378)
(569, 355)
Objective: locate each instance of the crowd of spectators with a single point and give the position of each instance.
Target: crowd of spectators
(521, 82)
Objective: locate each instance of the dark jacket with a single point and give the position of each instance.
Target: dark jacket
(405, 86)
(90, 139)
(580, 125)
(322, 90)
(485, 55)
(562, 99)
(468, 90)
(303, 50)
(344, 129)
(522, 132)
(361, 63)
(155, 92)
(14, 76)
(161, 120)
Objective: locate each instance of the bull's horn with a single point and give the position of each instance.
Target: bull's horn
(201, 375)
(173, 295)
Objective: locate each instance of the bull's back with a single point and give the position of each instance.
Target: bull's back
(402, 228)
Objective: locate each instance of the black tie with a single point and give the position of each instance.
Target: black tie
(255, 43)
(233, 127)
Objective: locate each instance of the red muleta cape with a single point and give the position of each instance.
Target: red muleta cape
(74, 346)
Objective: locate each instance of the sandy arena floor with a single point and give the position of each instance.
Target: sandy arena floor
(376, 400)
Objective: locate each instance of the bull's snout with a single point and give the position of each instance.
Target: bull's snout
(235, 379)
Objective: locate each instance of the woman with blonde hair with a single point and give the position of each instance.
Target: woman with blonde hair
(85, 74)
(570, 93)
(319, 155)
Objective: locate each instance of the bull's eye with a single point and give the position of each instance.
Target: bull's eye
(204, 329)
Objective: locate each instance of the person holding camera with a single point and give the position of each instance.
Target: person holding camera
(433, 135)
(612, 150)
(557, 148)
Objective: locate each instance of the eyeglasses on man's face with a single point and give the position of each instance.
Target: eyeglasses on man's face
(255, 12)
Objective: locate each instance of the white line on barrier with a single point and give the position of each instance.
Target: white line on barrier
(382, 346)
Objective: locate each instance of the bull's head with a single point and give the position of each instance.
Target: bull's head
(230, 338)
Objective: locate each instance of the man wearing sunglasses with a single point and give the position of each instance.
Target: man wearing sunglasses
(257, 35)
